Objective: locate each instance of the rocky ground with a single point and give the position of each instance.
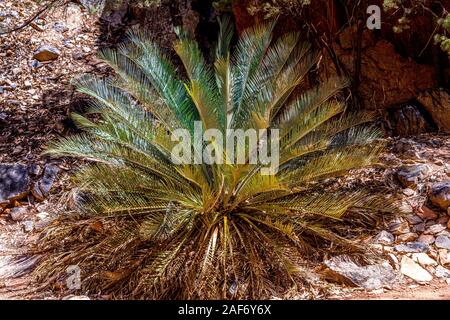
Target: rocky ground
(37, 64)
(415, 246)
(36, 98)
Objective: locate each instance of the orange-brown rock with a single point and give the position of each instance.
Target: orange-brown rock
(426, 213)
(387, 78)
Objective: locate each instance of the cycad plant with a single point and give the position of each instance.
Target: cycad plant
(156, 229)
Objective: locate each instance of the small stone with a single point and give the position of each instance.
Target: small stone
(426, 213)
(59, 27)
(42, 215)
(10, 87)
(430, 269)
(443, 220)
(39, 21)
(378, 291)
(27, 84)
(388, 248)
(412, 270)
(28, 226)
(407, 237)
(14, 14)
(408, 192)
(419, 227)
(440, 194)
(74, 297)
(426, 238)
(35, 64)
(444, 257)
(34, 170)
(17, 214)
(384, 237)
(406, 208)
(78, 55)
(423, 259)
(37, 193)
(435, 229)
(45, 219)
(393, 258)
(42, 187)
(433, 253)
(442, 272)
(444, 233)
(17, 150)
(410, 176)
(399, 227)
(14, 181)
(412, 247)
(442, 242)
(46, 53)
(429, 223)
(414, 219)
(41, 224)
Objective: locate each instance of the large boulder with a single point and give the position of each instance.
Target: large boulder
(437, 103)
(408, 119)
